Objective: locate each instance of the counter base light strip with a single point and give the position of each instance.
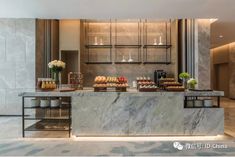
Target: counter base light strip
(160, 138)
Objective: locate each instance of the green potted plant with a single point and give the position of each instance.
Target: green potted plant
(184, 76)
(192, 83)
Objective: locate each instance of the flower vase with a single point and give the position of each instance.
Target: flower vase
(56, 77)
(191, 86)
(185, 83)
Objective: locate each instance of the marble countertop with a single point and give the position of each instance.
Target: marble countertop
(130, 91)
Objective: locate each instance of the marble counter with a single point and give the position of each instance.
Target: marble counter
(142, 114)
(135, 113)
(129, 92)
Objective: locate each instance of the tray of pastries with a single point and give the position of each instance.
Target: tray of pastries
(167, 79)
(175, 88)
(148, 88)
(110, 83)
(100, 80)
(174, 83)
(143, 78)
(46, 84)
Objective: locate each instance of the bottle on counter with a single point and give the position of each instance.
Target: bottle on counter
(43, 85)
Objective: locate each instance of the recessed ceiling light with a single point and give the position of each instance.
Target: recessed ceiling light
(221, 36)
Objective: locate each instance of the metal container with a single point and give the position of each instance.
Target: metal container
(44, 103)
(35, 102)
(55, 103)
(208, 103)
(189, 103)
(198, 103)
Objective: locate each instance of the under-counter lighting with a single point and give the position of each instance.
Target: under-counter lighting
(160, 138)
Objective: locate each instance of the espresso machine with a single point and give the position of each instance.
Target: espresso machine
(158, 74)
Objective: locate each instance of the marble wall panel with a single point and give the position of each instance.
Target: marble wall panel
(2, 48)
(23, 75)
(2, 99)
(203, 54)
(7, 27)
(17, 66)
(15, 49)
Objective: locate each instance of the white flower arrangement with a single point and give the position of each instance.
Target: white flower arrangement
(56, 65)
(192, 83)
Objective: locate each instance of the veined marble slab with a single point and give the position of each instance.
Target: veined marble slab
(204, 121)
(141, 114)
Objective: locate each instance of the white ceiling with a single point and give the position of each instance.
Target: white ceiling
(127, 9)
(90, 9)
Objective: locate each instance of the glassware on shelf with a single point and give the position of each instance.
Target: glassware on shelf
(130, 59)
(160, 41)
(96, 41)
(155, 41)
(101, 41)
(123, 59)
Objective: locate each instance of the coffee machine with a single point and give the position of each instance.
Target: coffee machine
(158, 74)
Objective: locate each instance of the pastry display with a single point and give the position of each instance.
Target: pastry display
(174, 83)
(100, 79)
(143, 78)
(100, 85)
(122, 79)
(145, 84)
(175, 88)
(103, 83)
(46, 84)
(167, 79)
(122, 85)
(148, 88)
(112, 79)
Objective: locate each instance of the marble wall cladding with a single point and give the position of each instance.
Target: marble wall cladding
(120, 114)
(204, 121)
(17, 66)
(202, 59)
(130, 71)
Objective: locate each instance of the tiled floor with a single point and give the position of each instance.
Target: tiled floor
(11, 142)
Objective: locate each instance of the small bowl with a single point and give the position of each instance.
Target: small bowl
(44, 103)
(208, 103)
(35, 102)
(198, 103)
(189, 103)
(55, 102)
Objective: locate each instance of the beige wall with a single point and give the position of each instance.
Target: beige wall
(131, 71)
(70, 40)
(223, 69)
